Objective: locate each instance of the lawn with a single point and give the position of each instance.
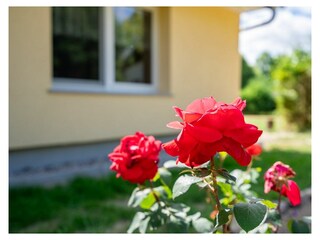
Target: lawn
(99, 205)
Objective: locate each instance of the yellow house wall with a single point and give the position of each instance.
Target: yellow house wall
(198, 57)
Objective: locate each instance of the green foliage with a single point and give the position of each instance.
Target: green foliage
(269, 204)
(182, 184)
(222, 217)
(258, 95)
(91, 205)
(298, 226)
(138, 196)
(293, 76)
(247, 73)
(265, 64)
(139, 221)
(283, 83)
(203, 225)
(250, 215)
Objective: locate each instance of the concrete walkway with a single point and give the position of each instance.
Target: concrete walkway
(50, 166)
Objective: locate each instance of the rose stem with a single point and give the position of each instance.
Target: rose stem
(215, 190)
(279, 211)
(215, 185)
(153, 192)
(249, 166)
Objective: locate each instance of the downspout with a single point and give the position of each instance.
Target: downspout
(273, 15)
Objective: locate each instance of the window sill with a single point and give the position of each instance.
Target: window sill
(100, 91)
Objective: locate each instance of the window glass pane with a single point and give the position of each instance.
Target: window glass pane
(76, 42)
(132, 45)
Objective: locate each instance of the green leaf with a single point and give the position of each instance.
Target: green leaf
(307, 219)
(195, 216)
(225, 188)
(148, 201)
(274, 217)
(250, 215)
(222, 217)
(202, 225)
(144, 225)
(179, 207)
(163, 192)
(298, 226)
(254, 175)
(135, 224)
(202, 184)
(182, 185)
(156, 177)
(177, 224)
(137, 196)
(269, 204)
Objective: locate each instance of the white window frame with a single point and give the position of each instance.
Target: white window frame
(107, 82)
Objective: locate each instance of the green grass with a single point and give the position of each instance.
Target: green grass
(300, 161)
(100, 205)
(84, 205)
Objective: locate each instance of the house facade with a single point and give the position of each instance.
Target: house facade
(182, 53)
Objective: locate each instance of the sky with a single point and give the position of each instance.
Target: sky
(290, 29)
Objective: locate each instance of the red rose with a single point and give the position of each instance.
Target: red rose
(136, 158)
(276, 179)
(254, 150)
(209, 127)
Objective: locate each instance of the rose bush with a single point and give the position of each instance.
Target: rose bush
(209, 127)
(136, 158)
(208, 132)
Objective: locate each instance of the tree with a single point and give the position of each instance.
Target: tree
(259, 96)
(247, 73)
(265, 64)
(292, 74)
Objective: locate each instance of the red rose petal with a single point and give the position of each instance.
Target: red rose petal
(292, 192)
(235, 150)
(239, 103)
(203, 134)
(171, 148)
(246, 135)
(175, 125)
(201, 105)
(223, 119)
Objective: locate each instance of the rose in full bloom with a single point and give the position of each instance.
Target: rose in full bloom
(136, 158)
(209, 127)
(254, 150)
(277, 179)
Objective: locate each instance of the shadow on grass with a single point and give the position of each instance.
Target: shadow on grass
(77, 206)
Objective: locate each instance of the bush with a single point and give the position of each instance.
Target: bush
(293, 76)
(258, 95)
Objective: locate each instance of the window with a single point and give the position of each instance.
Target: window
(104, 49)
(76, 43)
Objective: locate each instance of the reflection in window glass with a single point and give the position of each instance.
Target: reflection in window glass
(132, 45)
(76, 42)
